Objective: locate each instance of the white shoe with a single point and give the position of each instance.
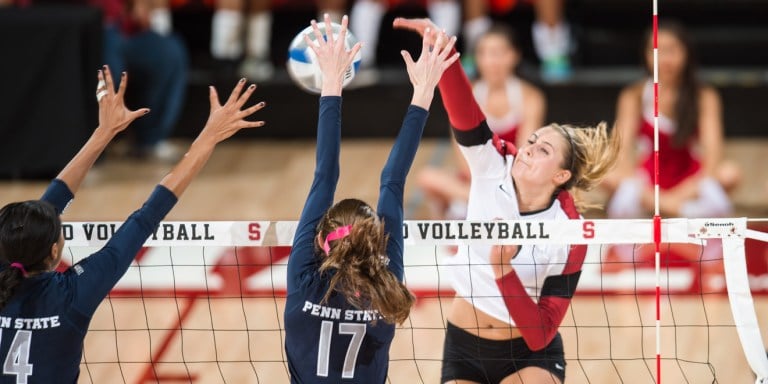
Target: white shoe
(256, 69)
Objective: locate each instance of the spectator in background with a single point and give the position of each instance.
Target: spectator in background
(230, 40)
(138, 38)
(514, 109)
(366, 16)
(552, 38)
(694, 178)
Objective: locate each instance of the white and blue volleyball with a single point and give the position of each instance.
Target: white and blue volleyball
(302, 61)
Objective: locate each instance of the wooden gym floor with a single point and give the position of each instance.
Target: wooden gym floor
(247, 180)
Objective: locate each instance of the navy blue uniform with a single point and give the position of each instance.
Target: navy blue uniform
(334, 342)
(43, 325)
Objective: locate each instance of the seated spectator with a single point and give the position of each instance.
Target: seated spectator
(693, 179)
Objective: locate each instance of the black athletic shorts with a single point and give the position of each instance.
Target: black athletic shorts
(468, 357)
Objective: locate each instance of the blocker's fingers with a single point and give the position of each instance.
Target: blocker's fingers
(318, 34)
(108, 80)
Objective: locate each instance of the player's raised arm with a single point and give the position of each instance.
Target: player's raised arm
(114, 117)
(96, 275)
(333, 60)
(31, 243)
(463, 111)
(223, 122)
(424, 75)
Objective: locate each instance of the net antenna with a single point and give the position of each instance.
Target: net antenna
(656, 215)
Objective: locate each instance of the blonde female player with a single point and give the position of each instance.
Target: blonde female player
(513, 109)
(510, 301)
(47, 313)
(345, 271)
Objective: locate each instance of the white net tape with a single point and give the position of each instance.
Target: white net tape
(238, 270)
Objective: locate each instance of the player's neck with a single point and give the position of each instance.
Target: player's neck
(532, 199)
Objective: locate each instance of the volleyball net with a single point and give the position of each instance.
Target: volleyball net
(203, 301)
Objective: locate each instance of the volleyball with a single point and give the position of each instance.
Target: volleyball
(302, 61)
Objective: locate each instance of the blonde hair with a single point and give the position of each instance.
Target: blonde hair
(359, 262)
(591, 154)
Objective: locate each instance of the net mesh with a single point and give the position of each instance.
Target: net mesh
(206, 306)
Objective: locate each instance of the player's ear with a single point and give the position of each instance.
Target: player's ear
(319, 241)
(562, 176)
(56, 253)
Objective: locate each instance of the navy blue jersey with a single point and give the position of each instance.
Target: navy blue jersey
(333, 342)
(43, 325)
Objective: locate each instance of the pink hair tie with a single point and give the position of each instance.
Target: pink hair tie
(20, 267)
(338, 233)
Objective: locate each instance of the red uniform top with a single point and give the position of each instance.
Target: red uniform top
(676, 163)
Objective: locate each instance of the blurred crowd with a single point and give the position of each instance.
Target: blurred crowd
(139, 38)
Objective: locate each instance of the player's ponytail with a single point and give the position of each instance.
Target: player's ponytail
(357, 262)
(592, 153)
(28, 231)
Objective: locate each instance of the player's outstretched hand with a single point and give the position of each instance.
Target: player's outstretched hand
(225, 120)
(332, 56)
(424, 27)
(114, 116)
(500, 259)
(425, 73)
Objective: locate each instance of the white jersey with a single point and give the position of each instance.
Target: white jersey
(492, 196)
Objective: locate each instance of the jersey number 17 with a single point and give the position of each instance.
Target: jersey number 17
(324, 349)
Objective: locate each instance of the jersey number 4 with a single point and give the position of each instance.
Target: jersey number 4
(17, 360)
(324, 350)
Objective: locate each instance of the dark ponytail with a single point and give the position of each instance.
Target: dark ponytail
(28, 230)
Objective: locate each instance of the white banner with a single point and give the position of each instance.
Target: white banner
(425, 232)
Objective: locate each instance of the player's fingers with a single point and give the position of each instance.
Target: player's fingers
(108, 80)
(101, 86)
(310, 44)
(425, 46)
(318, 34)
(214, 97)
(343, 32)
(328, 29)
(252, 109)
(137, 113)
(123, 84)
(245, 96)
(236, 91)
(434, 53)
(353, 53)
(409, 24)
(447, 63)
(448, 48)
(409, 63)
(251, 124)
